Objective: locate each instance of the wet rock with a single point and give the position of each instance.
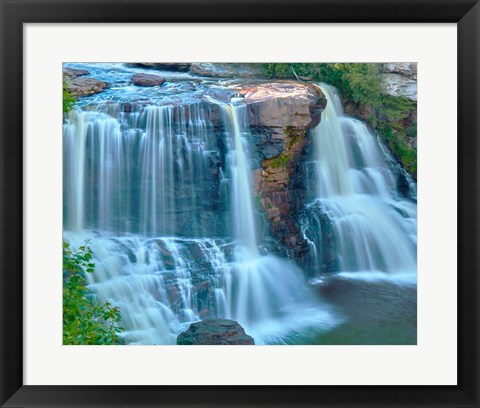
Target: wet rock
(147, 80)
(72, 72)
(80, 86)
(215, 332)
(267, 145)
(219, 94)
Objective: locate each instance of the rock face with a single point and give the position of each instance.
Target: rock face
(147, 80)
(215, 332)
(400, 79)
(407, 69)
(284, 105)
(280, 116)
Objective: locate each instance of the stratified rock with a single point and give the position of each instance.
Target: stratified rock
(400, 79)
(280, 116)
(73, 72)
(407, 69)
(285, 105)
(162, 66)
(215, 332)
(80, 86)
(147, 80)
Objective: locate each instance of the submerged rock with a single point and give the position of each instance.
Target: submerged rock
(215, 332)
(147, 80)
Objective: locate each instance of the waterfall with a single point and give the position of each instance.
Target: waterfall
(357, 221)
(164, 195)
(145, 172)
(265, 289)
(242, 204)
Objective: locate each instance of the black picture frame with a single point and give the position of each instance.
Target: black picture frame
(14, 13)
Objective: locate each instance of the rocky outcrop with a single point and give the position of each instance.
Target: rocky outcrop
(72, 72)
(407, 69)
(215, 332)
(280, 116)
(400, 79)
(80, 86)
(280, 106)
(147, 80)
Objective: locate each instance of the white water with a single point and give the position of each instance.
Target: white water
(138, 185)
(358, 219)
(266, 290)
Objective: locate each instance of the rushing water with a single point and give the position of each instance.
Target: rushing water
(163, 192)
(138, 185)
(357, 208)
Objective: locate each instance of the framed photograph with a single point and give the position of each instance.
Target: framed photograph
(295, 180)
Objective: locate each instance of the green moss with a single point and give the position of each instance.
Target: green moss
(279, 161)
(397, 143)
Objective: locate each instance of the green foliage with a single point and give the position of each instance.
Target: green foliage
(68, 99)
(85, 321)
(395, 107)
(361, 83)
(396, 140)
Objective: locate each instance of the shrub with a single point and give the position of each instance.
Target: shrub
(85, 320)
(68, 99)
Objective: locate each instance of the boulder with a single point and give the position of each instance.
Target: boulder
(80, 86)
(147, 80)
(215, 332)
(73, 72)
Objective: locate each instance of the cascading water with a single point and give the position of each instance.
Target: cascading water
(265, 290)
(357, 224)
(153, 192)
